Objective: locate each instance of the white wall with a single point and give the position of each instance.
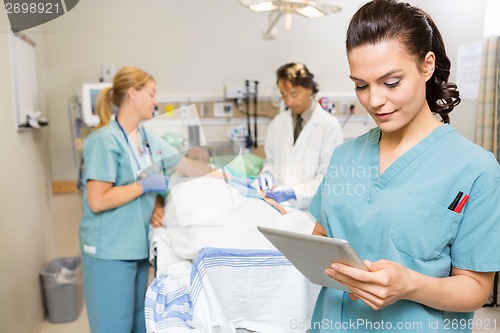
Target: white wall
(196, 47)
(192, 47)
(491, 23)
(460, 22)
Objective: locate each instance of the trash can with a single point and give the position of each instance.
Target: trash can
(62, 288)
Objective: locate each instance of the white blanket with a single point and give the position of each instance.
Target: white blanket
(219, 273)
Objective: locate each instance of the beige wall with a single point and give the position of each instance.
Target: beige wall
(193, 48)
(26, 212)
(67, 214)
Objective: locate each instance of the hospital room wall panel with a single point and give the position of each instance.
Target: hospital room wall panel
(215, 129)
(266, 106)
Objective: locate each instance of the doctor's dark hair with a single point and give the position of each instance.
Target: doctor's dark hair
(126, 78)
(298, 75)
(382, 20)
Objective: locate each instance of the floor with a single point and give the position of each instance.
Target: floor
(486, 319)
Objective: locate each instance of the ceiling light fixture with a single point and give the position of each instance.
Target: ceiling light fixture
(278, 8)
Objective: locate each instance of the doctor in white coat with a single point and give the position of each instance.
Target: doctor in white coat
(300, 141)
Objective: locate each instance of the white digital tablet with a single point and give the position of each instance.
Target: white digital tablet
(312, 254)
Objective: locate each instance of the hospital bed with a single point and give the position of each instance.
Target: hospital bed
(216, 272)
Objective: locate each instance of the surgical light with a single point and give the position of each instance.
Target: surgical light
(276, 8)
(310, 11)
(263, 7)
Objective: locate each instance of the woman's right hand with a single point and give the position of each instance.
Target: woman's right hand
(155, 182)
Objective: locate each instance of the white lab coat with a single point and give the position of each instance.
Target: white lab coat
(303, 165)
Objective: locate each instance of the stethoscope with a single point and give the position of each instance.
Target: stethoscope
(145, 143)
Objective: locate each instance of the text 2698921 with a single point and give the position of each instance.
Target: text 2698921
(32, 8)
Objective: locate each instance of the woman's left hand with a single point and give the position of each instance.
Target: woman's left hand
(383, 284)
(158, 213)
(157, 217)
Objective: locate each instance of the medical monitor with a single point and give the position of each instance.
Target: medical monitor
(89, 94)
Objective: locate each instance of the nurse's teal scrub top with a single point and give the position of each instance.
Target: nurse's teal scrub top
(403, 216)
(120, 233)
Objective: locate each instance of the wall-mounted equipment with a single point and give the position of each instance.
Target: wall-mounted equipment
(87, 97)
(224, 109)
(26, 101)
(278, 8)
(245, 93)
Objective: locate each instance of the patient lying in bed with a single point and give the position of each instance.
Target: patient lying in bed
(214, 263)
(207, 211)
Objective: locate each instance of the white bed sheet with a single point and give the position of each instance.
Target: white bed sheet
(232, 224)
(219, 274)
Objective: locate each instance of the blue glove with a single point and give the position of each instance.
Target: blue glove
(242, 181)
(266, 181)
(281, 194)
(155, 182)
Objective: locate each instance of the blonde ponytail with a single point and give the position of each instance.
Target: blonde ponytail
(103, 106)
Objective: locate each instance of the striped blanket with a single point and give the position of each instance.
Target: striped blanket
(226, 289)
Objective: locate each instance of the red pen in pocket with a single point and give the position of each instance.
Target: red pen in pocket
(461, 205)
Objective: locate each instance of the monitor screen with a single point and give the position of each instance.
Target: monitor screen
(88, 101)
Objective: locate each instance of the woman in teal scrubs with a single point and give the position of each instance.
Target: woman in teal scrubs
(118, 200)
(430, 263)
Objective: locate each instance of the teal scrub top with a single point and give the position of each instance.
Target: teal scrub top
(120, 233)
(403, 216)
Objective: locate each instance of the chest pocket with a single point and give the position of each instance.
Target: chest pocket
(426, 230)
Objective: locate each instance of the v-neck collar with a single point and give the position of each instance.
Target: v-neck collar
(380, 181)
